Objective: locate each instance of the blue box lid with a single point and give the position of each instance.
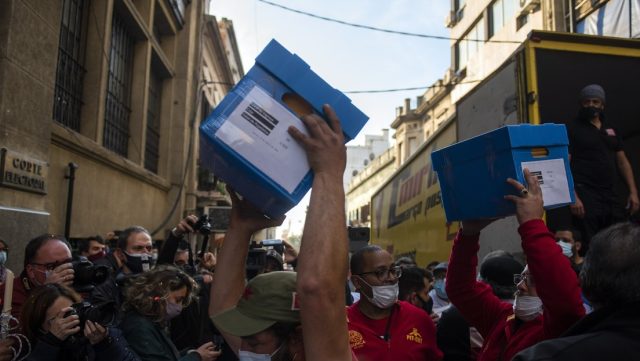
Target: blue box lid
(504, 138)
(291, 70)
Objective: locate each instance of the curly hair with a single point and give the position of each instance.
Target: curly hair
(147, 292)
(34, 310)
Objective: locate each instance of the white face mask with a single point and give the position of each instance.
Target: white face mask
(566, 248)
(383, 296)
(250, 356)
(527, 308)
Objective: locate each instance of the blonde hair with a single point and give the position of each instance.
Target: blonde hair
(147, 292)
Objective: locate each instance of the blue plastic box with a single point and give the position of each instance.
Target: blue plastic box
(245, 143)
(473, 173)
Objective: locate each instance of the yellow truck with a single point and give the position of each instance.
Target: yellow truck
(538, 83)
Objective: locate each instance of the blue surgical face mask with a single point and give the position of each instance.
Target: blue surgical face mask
(3, 258)
(567, 248)
(439, 286)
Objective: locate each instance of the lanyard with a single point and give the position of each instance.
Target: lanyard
(387, 336)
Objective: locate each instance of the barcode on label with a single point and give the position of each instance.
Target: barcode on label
(259, 118)
(538, 175)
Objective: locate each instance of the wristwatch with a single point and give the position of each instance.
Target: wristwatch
(176, 232)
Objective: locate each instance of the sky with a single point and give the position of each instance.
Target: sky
(349, 58)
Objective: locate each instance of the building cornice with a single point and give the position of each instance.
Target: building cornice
(77, 143)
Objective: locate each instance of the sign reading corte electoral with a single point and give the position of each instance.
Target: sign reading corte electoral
(22, 172)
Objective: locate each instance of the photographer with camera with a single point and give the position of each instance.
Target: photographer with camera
(264, 257)
(192, 327)
(59, 328)
(172, 246)
(47, 260)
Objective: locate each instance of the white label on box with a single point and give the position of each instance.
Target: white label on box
(552, 177)
(257, 130)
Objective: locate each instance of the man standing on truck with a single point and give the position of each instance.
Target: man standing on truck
(597, 156)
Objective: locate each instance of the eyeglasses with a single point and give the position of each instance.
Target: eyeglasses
(142, 248)
(383, 274)
(52, 265)
(517, 278)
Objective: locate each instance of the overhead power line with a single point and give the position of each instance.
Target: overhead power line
(370, 91)
(405, 89)
(405, 33)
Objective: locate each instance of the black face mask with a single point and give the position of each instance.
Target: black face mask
(138, 263)
(426, 305)
(588, 113)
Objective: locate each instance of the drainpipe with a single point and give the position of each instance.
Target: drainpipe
(71, 176)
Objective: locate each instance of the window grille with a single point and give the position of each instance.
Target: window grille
(152, 146)
(70, 71)
(118, 102)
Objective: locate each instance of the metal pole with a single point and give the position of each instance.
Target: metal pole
(71, 176)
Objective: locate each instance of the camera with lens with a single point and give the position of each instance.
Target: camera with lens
(112, 242)
(87, 311)
(203, 225)
(260, 252)
(358, 238)
(86, 275)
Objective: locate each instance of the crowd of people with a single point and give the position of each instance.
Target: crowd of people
(124, 300)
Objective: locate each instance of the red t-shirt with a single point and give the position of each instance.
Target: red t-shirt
(411, 335)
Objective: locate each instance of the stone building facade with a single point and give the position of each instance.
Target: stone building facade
(100, 103)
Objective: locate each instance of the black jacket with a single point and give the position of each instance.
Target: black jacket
(109, 297)
(149, 340)
(192, 327)
(611, 333)
(112, 348)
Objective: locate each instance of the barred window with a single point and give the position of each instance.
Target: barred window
(70, 72)
(118, 102)
(151, 149)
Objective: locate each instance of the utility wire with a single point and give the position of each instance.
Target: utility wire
(405, 89)
(374, 90)
(428, 36)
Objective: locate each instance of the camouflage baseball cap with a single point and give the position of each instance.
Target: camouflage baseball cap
(267, 299)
